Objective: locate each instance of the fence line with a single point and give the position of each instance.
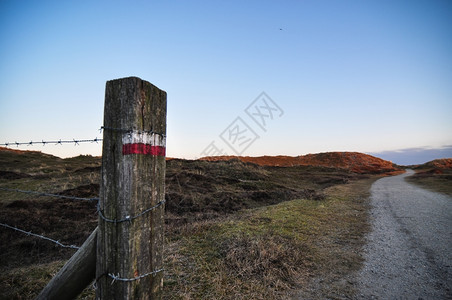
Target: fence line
(59, 142)
(126, 219)
(43, 194)
(39, 236)
(140, 96)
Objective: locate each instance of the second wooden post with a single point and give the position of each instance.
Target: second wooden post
(131, 207)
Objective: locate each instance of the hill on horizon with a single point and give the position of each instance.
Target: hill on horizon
(352, 161)
(441, 163)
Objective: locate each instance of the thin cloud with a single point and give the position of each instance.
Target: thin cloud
(415, 155)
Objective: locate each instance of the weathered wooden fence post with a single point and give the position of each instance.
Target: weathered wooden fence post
(132, 193)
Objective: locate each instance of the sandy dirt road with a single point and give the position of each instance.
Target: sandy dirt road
(409, 250)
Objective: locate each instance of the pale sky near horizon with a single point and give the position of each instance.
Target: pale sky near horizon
(366, 76)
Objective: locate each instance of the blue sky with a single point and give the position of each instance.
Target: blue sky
(367, 76)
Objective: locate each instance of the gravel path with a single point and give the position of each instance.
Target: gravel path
(409, 250)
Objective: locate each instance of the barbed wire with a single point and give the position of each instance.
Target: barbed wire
(79, 141)
(115, 221)
(41, 194)
(59, 142)
(117, 278)
(39, 236)
(127, 218)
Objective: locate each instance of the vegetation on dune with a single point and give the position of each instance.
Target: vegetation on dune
(437, 164)
(435, 175)
(351, 161)
(272, 252)
(234, 230)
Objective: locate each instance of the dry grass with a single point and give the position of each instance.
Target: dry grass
(273, 252)
(22, 283)
(441, 183)
(234, 230)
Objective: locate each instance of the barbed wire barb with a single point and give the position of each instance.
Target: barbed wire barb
(39, 236)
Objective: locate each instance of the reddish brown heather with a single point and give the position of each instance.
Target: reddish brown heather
(352, 161)
(13, 150)
(442, 164)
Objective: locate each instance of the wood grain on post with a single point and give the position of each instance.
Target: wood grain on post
(133, 179)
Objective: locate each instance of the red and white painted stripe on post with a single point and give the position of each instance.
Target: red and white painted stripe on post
(139, 142)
